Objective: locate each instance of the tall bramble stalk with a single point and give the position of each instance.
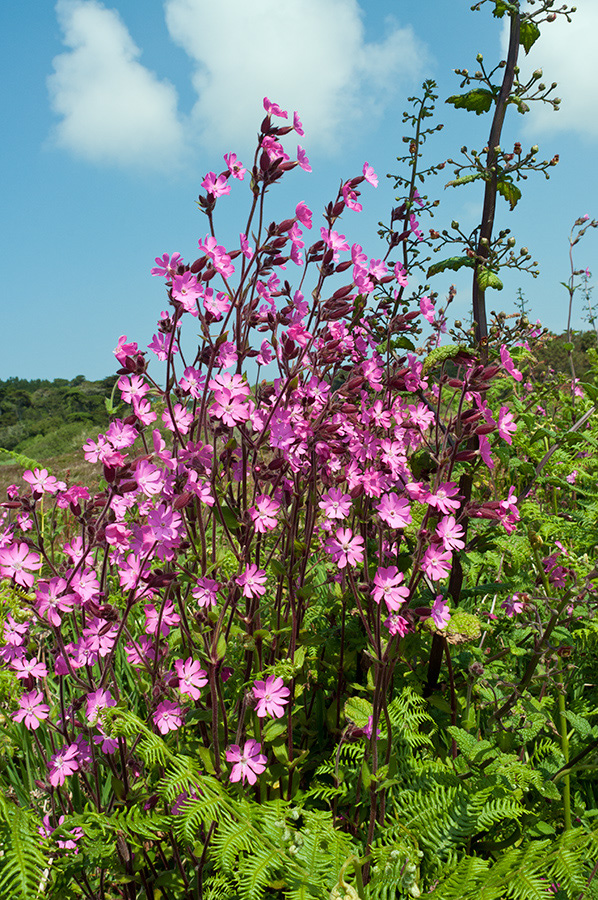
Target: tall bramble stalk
(500, 170)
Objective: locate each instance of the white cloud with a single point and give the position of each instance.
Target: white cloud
(566, 53)
(307, 55)
(113, 109)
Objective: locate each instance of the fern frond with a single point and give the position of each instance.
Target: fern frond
(23, 862)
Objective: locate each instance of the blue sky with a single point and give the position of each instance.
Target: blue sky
(115, 111)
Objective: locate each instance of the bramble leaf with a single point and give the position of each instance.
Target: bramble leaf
(509, 191)
(465, 179)
(478, 100)
(453, 262)
(488, 279)
(528, 34)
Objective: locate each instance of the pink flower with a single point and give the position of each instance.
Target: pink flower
(484, 451)
(31, 710)
(572, 477)
(167, 265)
(440, 613)
(14, 632)
(205, 592)
(302, 159)
(29, 668)
(397, 625)
(509, 365)
(161, 345)
(444, 499)
(63, 764)
(345, 548)
(436, 562)
(335, 504)
(263, 514)
(163, 618)
(75, 833)
(334, 241)
(235, 167)
(118, 535)
(252, 581)
(133, 388)
(414, 225)
(193, 382)
(273, 109)
(149, 478)
(186, 289)
(304, 214)
(513, 605)
(394, 511)
(229, 407)
(247, 250)
(350, 198)
(217, 185)
(122, 349)
(297, 124)
(401, 275)
(506, 424)
(450, 533)
(369, 175)
(264, 357)
(179, 420)
(388, 586)
(97, 701)
(51, 599)
(168, 717)
(426, 308)
(248, 762)
(15, 560)
(272, 697)
(121, 435)
(41, 482)
(191, 677)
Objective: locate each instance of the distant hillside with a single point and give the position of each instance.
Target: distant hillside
(555, 355)
(42, 418)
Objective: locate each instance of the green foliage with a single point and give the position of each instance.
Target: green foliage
(54, 412)
(24, 866)
(478, 100)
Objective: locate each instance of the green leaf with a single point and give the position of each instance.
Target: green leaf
(465, 179)
(521, 105)
(229, 518)
(221, 647)
(206, 758)
(488, 279)
(478, 100)
(528, 34)
(440, 354)
(509, 191)
(500, 8)
(277, 567)
(274, 729)
(591, 390)
(453, 263)
(358, 710)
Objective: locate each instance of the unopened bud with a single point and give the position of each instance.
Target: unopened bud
(537, 74)
(454, 224)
